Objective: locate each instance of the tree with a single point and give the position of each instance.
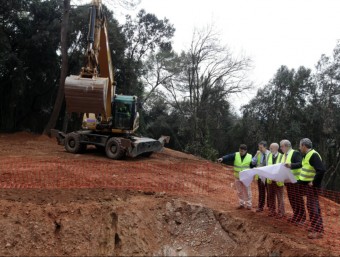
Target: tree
(277, 111)
(326, 106)
(210, 73)
(28, 62)
(144, 35)
(64, 67)
(159, 68)
(113, 4)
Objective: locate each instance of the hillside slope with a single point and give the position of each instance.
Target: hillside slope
(56, 203)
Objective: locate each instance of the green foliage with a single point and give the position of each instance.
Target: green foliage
(159, 120)
(326, 103)
(144, 35)
(276, 111)
(205, 150)
(29, 36)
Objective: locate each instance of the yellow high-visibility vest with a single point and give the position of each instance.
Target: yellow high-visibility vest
(240, 165)
(270, 162)
(259, 163)
(295, 172)
(308, 172)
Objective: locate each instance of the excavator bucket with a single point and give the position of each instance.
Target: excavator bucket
(86, 95)
(146, 146)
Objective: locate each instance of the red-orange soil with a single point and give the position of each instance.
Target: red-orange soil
(57, 203)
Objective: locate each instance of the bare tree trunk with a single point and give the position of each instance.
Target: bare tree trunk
(64, 67)
(65, 122)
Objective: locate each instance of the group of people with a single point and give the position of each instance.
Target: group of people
(305, 165)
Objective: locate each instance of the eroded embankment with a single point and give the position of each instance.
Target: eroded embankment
(103, 222)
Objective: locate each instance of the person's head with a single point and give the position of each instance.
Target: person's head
(285, 145)
(263, 146)
(305, 145)
(243, 149)
(274, 148)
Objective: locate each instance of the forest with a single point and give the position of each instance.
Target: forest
(186, 95)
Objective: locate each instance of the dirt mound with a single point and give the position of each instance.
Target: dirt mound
(169, 153)
(105, 222)
(56, 203)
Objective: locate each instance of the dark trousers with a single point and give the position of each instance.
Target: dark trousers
(295, 197)
(313, 206)
(262, 188)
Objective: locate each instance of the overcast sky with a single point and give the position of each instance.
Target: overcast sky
(271, 32)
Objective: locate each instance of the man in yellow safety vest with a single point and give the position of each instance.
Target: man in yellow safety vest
(310, 180)
(242, 161)
(259, 160)
(275, 188)
(292, 160)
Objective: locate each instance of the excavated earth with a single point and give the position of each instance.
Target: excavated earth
(54, 203)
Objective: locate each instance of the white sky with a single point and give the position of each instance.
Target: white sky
(271, 32)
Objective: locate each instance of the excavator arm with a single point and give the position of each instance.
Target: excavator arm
(96, 21)
(93, 89)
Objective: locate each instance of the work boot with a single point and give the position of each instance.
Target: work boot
(315, 235)
(299, 223)
(292, 219)
(280, 216)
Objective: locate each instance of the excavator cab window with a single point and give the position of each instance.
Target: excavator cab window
(123, 115)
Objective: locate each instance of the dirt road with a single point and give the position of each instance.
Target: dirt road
(56, 203)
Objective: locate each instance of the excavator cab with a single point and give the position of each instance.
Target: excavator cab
(124, 112)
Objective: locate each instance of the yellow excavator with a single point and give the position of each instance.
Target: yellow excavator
(110, 120)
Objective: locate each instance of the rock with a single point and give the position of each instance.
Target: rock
(160, 194)
(63, 210)
(168, 207)
(178, 205)
(149, 192)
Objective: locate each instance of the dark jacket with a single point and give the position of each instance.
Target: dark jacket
(296, 161)
(230, 158)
